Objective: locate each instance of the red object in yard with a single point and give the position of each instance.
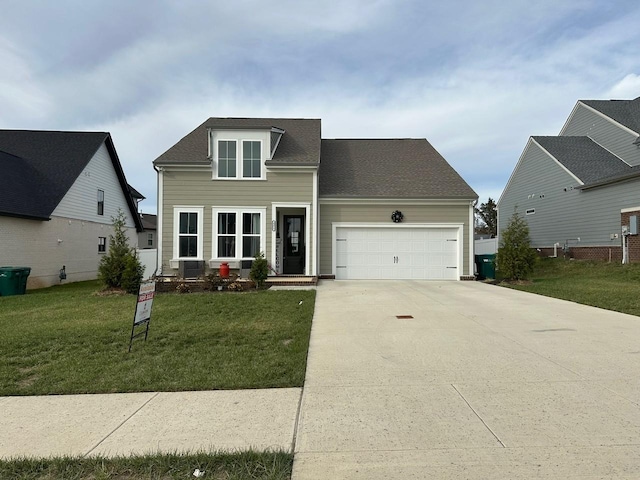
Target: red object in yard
(224, 270)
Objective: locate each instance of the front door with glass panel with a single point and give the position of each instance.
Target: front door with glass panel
(294, 247)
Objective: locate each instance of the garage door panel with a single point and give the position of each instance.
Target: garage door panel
(397, 253)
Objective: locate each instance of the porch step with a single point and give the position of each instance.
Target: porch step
(298, 280)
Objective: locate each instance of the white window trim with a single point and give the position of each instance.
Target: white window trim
(176, 229)
(239, 160)
(238, 211)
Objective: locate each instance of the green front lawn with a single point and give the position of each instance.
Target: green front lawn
(66, 339)
(606, 285)
(228, 466)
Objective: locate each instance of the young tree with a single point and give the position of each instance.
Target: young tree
(515, 259)
(120, 268)
(487, 217)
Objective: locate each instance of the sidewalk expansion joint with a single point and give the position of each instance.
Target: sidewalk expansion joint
(120, 425)
(479, 417)
(297, 422)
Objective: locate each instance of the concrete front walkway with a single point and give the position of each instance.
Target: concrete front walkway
(483, 382)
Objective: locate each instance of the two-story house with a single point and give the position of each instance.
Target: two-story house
(58, 194)
(580, 191)
(345, 209)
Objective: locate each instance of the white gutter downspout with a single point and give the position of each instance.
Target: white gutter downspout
(159, 220)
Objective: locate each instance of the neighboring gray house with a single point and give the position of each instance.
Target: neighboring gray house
(578, 190)
(148, 238)
(58, 192)
(234, 187)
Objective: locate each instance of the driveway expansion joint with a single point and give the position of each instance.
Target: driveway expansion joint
(478, 415)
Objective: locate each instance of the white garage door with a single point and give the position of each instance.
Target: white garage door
(397, 253)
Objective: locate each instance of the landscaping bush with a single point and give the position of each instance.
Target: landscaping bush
(515, 259)
(259, 270)
(120, 267)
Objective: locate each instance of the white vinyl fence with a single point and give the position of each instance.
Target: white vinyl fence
(486, 247)
(148, 258)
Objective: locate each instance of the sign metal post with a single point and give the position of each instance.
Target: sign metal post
(142, 315)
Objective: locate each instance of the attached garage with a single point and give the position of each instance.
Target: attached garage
(408, 252)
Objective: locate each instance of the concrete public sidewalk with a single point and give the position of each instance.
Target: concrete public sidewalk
(139, 423)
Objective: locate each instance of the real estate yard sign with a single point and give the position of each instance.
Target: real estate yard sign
(143, 309)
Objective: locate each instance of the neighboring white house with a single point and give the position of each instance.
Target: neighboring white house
(58, 194)
(579, 192)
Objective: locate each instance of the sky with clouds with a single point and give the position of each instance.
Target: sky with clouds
(476, 78)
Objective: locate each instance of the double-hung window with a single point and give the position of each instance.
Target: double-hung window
(251, 229)
(226, 239)
(188, 223)
(238, 233)
(227, 159)
(251, 159)
(100, 202)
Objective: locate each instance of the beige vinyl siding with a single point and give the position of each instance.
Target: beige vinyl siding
(355, 213)
(611, 136)
(197, 189)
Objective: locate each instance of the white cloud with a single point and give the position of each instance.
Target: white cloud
(627, 88)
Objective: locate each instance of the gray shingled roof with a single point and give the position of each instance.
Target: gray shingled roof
(388, 168)
(38, 168)
(584, 158)
(625, 112)
(300, 144)
(149, 221)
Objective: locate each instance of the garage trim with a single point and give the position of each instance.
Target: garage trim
(458, 226)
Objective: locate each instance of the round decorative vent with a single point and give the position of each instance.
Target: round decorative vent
(397, 216)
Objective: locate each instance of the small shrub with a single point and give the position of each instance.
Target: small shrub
(515, 259)
(259, 270)
(183, 288)
(120, 267)
(235, 287)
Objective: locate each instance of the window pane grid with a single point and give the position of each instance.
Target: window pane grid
(251, 159)
(226, 158)
(188, 234)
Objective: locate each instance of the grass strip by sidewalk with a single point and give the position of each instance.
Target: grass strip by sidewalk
(611, 286)
(67, 340)
(228, 466)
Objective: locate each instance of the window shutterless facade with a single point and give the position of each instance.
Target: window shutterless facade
(229, 152)
(188, 226)
(238, 232)
(227, 158)
(100, 202)
(102, 244)
(149, 239)
(251, 159)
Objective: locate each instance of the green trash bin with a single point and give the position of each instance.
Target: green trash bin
(13, 280)
(486, 266)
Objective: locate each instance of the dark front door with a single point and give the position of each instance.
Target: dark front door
(294, 248)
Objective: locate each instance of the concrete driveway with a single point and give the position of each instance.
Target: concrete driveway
(482, 383)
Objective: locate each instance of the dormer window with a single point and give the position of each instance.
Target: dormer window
(238, 159)
(227, 159)
(251, 159)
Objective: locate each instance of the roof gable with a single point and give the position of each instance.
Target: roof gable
(625, 112)
(388, 168)
(48, 164)
(584, 158)
(298, 145)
